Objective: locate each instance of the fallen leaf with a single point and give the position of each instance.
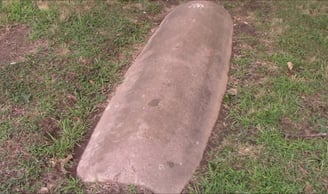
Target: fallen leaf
(312, 59)
(50, 185)
(42, 5)
(232, 91)
(53, 162)
(63, 162)
(43, 190)
(290, 66)
(72, 97)
(62, 51)
(64, 15)
(303, 171)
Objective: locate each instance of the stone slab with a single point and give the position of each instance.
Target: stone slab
(154, 131)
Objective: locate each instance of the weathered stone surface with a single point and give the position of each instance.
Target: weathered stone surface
(156, 126)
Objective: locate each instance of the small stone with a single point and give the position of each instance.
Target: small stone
(232, 91)
(43, 190)
(290, 66)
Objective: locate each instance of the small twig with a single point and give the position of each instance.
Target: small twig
(63, 162)
(315, 135)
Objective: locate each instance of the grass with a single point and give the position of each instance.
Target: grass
(255, 155)
(48, 102)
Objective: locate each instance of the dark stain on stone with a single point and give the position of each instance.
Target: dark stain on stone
(154, 102)
(170, 164)
(168, 84)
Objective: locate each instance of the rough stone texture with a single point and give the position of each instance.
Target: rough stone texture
(155, 129)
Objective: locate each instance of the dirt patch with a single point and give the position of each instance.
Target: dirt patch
(292, 129)
(316, 104)
(255, 5)
(244, 27)
(302, 130)
(17, 111)
(49, 127)
(14, 44)
(13, 152)
(312, 106)
(248, 150)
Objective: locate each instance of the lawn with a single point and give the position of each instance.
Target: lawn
(271, 135)
(51, 100)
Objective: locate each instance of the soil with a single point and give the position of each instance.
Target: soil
(14, 44)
